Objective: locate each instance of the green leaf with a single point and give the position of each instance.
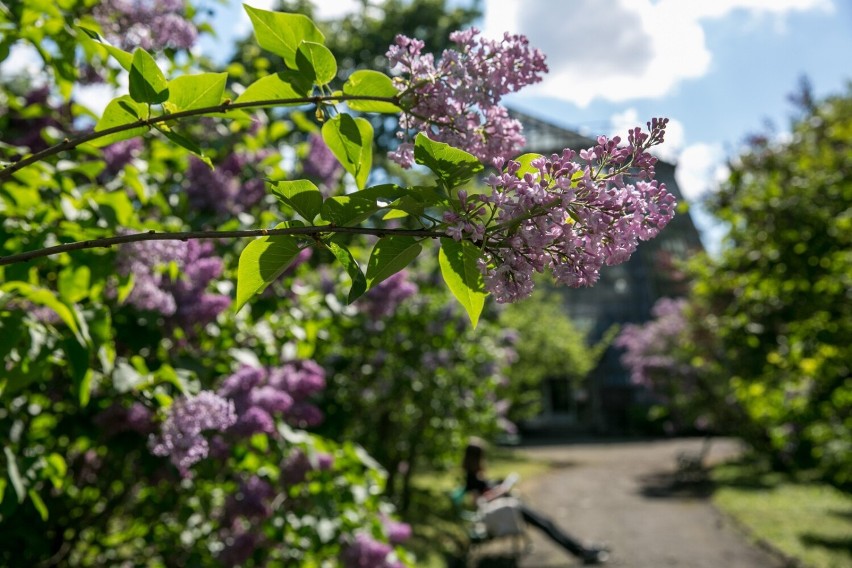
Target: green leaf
(14, 474)
(123, 58)
(344, 211)
(120, 111)
(73, 283)
(359, 282)
(458, 261)
(302, 195)
(369, 83)
(197, 91)
(451, 165)
(274, 87)
(351, 141)
(46, 298)
(403, 207)
(261, 262)
(184, 142)
(38, 504)
(147, 82)
(81, 371)
(282, 33)
(316, 61)
(525, 160)
(389, 256)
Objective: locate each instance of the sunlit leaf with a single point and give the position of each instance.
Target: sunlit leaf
(351, 141)
(390, 255)
(261, 262)
(459, 267)
(369, 83)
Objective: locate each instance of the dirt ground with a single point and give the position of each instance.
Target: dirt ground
(627, 495)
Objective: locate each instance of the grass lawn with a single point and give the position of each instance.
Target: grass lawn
(438, 534)
(807, 521)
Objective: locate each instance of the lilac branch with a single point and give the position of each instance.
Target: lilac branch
(71, 143)
(312, 232)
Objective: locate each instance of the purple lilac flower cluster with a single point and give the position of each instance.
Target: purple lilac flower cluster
(456, 100)
(149, 24)
(648, 347)
(27, 120)
(398, 532)
(567, 215)
(296, 467)
(320, 164)
(251, 501)
(121, 153)
(367, 552)
(259, 395)
(118, 418)
(182, 299)
(382, 300)
(225, 190)
(181, 437)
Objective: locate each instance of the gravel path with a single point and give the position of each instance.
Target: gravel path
(626, 496)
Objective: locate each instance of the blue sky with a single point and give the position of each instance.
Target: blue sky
(719, 69)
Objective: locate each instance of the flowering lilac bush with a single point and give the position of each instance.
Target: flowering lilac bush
(173, 393)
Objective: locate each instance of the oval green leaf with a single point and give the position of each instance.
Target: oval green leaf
(459, 267)
(147, 82)
(389, 256)
(197, 91)
(261, 262)
(316, 61)
(282, 33)
(274, 88)
(351, 142)
(451, 165)
(369, 83)
(302, 195)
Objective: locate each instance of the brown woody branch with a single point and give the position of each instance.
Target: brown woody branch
(313, 232)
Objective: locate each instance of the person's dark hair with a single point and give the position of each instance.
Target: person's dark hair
(473, 454)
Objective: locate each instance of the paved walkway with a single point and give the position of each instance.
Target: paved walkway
(624, 494)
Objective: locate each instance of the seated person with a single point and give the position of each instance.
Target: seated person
(477, 484)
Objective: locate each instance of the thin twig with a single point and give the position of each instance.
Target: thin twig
(106, 242)
(71, 143)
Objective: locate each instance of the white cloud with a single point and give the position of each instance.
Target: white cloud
(622, 49)
(334, 9)
(700, 168)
